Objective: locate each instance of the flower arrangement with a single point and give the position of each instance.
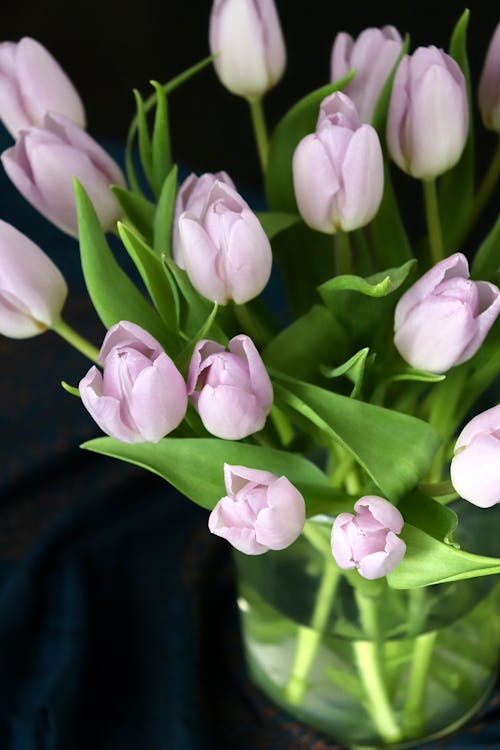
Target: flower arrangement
(362, 419)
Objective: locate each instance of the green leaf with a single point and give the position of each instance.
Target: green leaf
(161, 154)
(386, 232)
(294, 125)
(70, 388)
(183, 359)
(379, 285)
(145, 148)
(153, 274)
(164, 214)
(456, 186)
(195, 467)
(486, 263)
(138, 210)
(114, 296)
(395, 449)
(313, 338)
(274, 222)
(428, 515)
(428, 561)
(354, 369)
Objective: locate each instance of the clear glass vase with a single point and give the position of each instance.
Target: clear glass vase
(371, 666)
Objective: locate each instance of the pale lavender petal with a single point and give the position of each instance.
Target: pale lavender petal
(382, 510)
(486, 422)
(230, 413)
(316, 183)
(159, 400)
(281, 523)
(363, 179)
(105, 410)
(236, 477)
(200, 258)
(244, 347)
(475, 470)
(126, 333)
(379, 564)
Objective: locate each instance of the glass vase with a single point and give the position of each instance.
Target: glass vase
(371, 666)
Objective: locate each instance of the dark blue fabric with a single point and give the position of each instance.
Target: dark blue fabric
(118, 624)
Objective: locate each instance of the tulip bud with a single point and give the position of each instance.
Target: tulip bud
(230, 390)
(475, 466)
(338, 171)
(191, 197)
(32, 83)
(260, 511)
(141, 395)
(246, 37)
(489, 85)
(372, 55)
(43, 163)
(368, 540)
(428, 114)
(443, 319)
(32, 289)
(225, 250)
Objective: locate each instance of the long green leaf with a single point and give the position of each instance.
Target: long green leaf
(139, 210)
(164, 214)
(161, 154)
(194, 466)
(396, 450)
(486, 263)
(114, 296)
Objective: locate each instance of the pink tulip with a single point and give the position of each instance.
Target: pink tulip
(338, 171)
(44, 161)
(428, 115)
(475, 466)
(225, 250)
(191, 197)
(260, 511)
(367, 540)
(32, 83)
(141, 395)
(489, 84)
(372, 55)
(246, 37)
(32, 289)
(230, 390)
(443, 319)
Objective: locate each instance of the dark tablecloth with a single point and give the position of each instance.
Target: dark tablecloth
(118, 623)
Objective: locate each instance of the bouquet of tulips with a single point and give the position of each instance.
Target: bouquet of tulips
(308, 359)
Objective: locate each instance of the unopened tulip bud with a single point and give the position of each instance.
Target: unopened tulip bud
(428, 114)
(32, 83)
(43, 163)
(246, 37)
(231, 390)
(475, 467)
(261, 511)
(32, 289)
(338, 171)
(225, 250)
(372, 55)
(140, 395)
(191, 197)
(367, 540)
(442, 320)
(489, 84)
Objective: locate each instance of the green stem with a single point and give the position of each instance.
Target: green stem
(485, 189)
(413, 712)
(368, 654)
(76, 340)
(309, 638)
(433, 221)
(250, 324)
(343, 253)
(260, 131)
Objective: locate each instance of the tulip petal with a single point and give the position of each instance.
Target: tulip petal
(475, 471)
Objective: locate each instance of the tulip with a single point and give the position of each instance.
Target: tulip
(32, 83)
(225, 249)
(428, 114)
(43, 163)
(475, 466)
(32, 289)
(246, 37)
(367, 540)
(489, 84)
(191, 197)
(443, 319)
(338, 171)
(230, 390)
(141, 395)
(373, 55)
(260, 511)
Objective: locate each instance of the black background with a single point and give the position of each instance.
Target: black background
(109, 47)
